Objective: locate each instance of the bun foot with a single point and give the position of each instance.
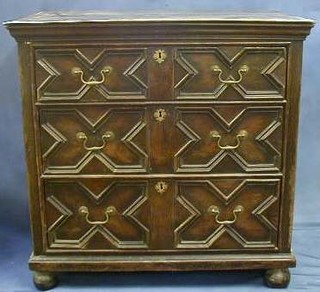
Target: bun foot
(44, 281)
(277, 278)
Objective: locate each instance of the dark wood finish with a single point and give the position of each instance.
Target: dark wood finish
(55, 80)
(160, 141)
(161, 263)
(197, 228)
(264, 79)
(157, 25)
(63, 152)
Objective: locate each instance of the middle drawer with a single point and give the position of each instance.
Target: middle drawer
(161, 139)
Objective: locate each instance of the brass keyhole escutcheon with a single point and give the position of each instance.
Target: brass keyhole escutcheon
(160, 114)
(159, 56)
(161, 187)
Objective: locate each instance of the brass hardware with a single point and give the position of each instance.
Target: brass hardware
(105, 137)
(159, 56)
(242, 70)
(84, 211)
(242, 134)
(215, 210)
(160, 114)
(103, 72)
(161, 187)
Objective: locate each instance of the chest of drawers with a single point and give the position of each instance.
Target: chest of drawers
(160, 141)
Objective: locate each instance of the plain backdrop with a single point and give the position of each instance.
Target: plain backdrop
(15, 242)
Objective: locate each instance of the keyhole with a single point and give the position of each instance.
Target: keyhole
(160, 114)
(159, 56)
(161, 187)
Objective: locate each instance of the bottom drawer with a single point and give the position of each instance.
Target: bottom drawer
(165, 215)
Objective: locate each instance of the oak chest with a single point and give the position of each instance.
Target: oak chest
(160, 141)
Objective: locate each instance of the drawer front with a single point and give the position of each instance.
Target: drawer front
(93, 214)
(229, 139)
(93, 140)
(230, 72)
(87, 74)
(104, 74)
(215, 139)
(227, 214)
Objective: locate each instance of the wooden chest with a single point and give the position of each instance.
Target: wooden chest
(160, 141)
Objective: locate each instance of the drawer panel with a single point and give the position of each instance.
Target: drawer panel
(98, 215)
(103, 74)
(93, 140)
(87, 74)
(184, 139)
(229, 139)
(230, 72)
(227, 214)
(93, 214)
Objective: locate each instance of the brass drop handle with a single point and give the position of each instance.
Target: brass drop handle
(84, 211)
(105, 137)
(241, 134)
(214, 210)
(242, 70)
(103, 72)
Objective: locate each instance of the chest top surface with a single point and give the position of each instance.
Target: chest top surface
(156, 23)
(47, 17)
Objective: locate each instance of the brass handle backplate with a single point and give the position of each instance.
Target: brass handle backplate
(105, 137)
(103, 72)
(241, 134)
(84, 211)
(159, 56)
(242, 70)
(214, 210)
(161, 187)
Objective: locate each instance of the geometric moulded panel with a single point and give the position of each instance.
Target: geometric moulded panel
(58, 74)
(93, 214)
(229, 139)
(93, 140)
(230, 73)
(233, 214)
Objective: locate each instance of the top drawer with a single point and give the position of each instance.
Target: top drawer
(106, 74)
